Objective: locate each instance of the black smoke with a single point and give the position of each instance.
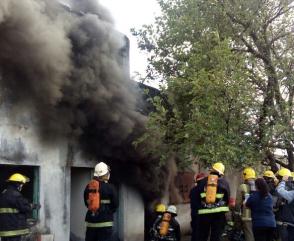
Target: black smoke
(65, 66)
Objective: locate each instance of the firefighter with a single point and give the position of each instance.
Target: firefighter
(168, 228)
(271, 181)
(195, 204)
(215, 193)
(14, 209)
(285, 218)
(160, 209)
(99, 223)
(243, 191)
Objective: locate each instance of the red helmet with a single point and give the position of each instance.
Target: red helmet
(199, 176)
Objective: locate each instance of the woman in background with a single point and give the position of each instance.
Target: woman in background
(261, 205)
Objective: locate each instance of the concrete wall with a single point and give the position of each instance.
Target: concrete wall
(19, 145)
(131, 215)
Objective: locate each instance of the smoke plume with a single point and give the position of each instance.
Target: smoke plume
(66, 67)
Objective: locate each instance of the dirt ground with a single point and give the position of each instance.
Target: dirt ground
(186, 238)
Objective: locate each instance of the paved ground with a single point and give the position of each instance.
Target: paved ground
(186, 238)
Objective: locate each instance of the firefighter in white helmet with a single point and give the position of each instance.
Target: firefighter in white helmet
(102, 201)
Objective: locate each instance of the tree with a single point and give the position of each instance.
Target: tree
(226, 68)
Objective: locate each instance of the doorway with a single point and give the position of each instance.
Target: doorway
(79, 179)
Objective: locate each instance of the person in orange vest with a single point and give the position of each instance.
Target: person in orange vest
(214, 191)
(102, 202)
(14, 209)
(243, 192)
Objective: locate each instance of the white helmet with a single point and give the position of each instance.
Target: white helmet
(172, 209)
(101, 169)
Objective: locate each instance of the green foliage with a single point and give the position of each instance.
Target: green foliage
(227, 77)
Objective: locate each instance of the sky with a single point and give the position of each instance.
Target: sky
(129, 14)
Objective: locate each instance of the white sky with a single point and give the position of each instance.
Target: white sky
(133, 14)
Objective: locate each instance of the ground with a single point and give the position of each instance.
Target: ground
(186, 238)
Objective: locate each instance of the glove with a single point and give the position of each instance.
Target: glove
(36, 206)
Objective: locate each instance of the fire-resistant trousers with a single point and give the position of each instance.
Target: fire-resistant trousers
(99, 234)
(14, 238)
(195, 228)
(290, 230)
(213, 223)
(247, 229)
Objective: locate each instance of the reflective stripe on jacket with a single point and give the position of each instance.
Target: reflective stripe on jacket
(8, 210)
(12, 233)
(213, 210)
(99, 225)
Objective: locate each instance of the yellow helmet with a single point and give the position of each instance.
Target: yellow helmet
(284, 172)
(268, 173)
(292, 174)
(16, 177)
(219, 167)
(160, 208)
(249, 173)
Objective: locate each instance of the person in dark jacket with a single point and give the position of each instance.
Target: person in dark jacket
(212, 217)
(14, 209)
(99, 224)
(173, 231)
(195, 204)
(286, 205)
(261, 204)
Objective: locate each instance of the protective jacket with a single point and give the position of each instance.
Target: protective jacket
(222, 197)
(14, 210)
(108, 205)
(245, 188)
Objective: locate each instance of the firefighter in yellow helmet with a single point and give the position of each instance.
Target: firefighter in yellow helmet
(214, 193)
(167, 227)
(14, 209)
(160, 209)
(271, 181)
(243, 192)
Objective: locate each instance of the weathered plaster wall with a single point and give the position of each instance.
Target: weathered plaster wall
(19, 145)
